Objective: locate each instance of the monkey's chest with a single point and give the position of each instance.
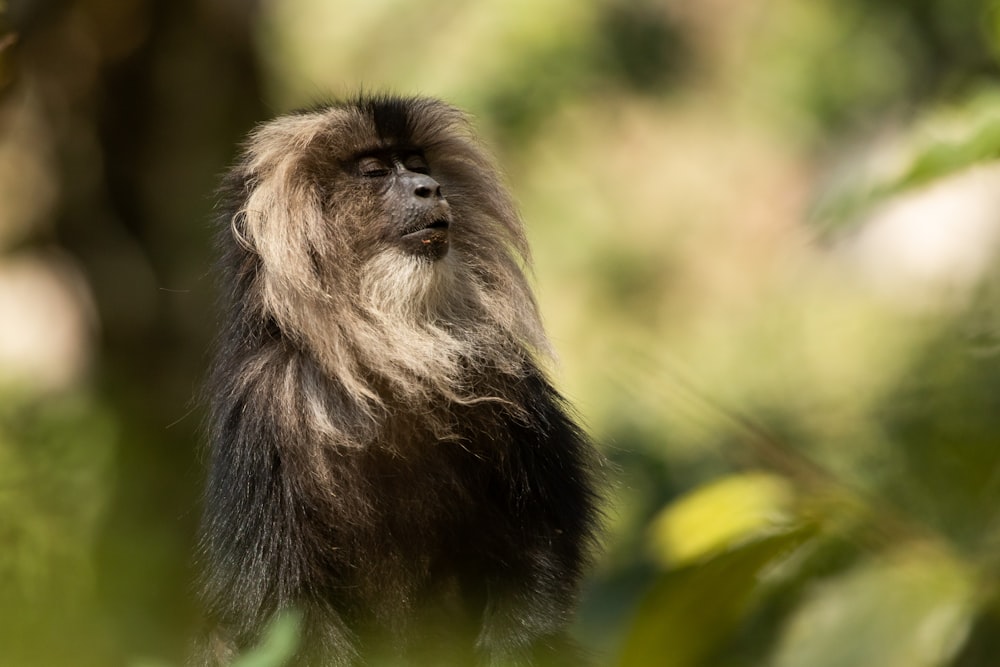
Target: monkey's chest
(435, 528)
(435, 503)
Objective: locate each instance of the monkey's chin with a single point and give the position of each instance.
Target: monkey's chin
(431, 243)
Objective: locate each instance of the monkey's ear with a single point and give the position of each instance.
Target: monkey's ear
(282, 218)
(237, 227)
(281, 222)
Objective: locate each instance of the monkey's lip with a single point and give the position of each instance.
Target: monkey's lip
(429, 240)
(436, 228)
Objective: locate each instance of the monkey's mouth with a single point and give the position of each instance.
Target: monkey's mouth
(429, 240)
(439, 225)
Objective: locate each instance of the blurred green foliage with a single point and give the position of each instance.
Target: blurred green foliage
(278, 645)
(766, 240)
(55, 460)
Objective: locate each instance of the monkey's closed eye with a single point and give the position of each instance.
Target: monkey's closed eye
(373, 167)
(417, 163)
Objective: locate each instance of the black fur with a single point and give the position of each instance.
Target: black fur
(421, 544)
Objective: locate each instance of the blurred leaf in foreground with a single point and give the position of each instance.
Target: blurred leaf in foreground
(720, 515)
(910, 611)
(690, 613)
(278, 645)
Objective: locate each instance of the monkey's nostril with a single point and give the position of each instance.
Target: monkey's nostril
(424, 187)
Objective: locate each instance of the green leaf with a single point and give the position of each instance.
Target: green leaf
(278, 645)
(910, 611)
(721, 514)
(939, 145)
(692, 611)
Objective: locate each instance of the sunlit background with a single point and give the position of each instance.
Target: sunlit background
(766, 238)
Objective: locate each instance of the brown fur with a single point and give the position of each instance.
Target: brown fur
(386, 451)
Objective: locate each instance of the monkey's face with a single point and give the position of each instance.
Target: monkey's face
(373, 204)
(412, 211)
(376, 234)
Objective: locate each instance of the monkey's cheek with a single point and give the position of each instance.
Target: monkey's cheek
(431, 244)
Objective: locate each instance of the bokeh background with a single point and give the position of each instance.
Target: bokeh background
(767, 248)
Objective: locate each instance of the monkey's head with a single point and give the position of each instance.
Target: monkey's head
(376, 235)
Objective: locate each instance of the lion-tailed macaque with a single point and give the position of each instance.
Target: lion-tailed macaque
(388, 456)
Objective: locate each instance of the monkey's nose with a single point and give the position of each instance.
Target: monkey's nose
(425, 187)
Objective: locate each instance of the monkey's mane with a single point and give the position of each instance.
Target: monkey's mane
(339, 325)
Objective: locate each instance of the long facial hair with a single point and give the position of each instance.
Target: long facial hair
(387, 454)
(373, 327)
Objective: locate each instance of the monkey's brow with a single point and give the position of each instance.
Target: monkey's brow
(399, 151)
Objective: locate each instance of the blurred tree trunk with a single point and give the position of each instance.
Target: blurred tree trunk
(146, 101)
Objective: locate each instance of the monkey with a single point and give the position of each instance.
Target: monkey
(387, 454)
